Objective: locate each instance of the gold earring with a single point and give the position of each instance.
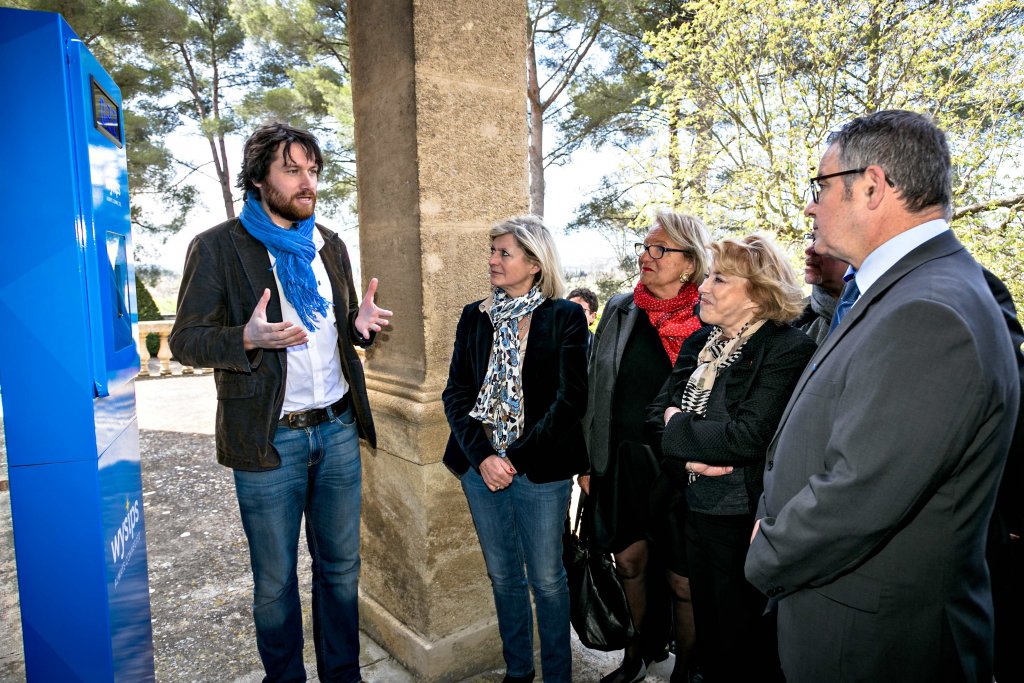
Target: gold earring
(685, 277)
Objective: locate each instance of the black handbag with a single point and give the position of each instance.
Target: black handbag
(597, 602)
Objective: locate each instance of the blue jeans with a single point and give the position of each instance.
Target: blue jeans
(522, 526)
(320, 477)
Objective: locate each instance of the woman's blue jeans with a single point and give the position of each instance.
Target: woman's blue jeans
(521, 527)
(320, 478)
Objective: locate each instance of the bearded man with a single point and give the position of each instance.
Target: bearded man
(268, 301)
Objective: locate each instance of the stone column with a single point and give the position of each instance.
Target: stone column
(440, 131)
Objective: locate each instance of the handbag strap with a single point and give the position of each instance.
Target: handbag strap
(578, 529)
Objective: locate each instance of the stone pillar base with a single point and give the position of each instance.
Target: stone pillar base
(455, 657)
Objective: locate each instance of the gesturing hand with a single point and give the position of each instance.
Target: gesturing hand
(371, 318)
(258, 333)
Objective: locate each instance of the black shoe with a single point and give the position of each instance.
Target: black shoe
(528, 678)
(659, 656)
(631, 671)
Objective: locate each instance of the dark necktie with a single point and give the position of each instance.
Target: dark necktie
(850, 295)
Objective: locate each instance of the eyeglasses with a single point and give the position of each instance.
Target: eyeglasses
(816, 180)
(655, 251)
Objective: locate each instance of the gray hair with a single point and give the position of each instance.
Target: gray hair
(911, 150)
(539, 245)
(691, 234)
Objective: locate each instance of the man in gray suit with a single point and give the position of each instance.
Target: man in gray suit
(881, 478)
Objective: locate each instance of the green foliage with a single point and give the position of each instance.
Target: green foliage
(147, 311)
(609, 100)
(305, 78)
(560, 37)
(761, 84)
(147, 307)
(196, 50)
(110, 29)
(724, 107)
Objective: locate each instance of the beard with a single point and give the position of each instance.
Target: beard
(285, 207)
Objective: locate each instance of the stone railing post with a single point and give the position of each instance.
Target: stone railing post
(163, 354)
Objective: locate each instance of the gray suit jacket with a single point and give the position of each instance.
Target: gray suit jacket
(881, 479)
(617, 320)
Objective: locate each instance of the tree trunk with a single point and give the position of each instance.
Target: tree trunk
(675, 168)
(536, 149)
(224, 176)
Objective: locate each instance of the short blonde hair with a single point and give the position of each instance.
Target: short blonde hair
(773, 286)
(691, 234)
(539, 245)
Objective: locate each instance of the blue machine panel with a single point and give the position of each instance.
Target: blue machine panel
(67, 283)
(96, 115)
(124, 536)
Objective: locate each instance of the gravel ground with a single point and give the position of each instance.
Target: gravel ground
(199, 578)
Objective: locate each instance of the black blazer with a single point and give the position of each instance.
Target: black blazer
(554, 376)
(744, 409)
(226, 271)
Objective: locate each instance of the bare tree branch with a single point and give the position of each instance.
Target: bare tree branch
(1015, 201)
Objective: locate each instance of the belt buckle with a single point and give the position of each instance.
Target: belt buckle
(296, 420)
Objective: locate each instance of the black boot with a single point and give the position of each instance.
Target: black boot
(630, 671)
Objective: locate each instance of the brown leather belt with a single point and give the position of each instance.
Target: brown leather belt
(311, 418)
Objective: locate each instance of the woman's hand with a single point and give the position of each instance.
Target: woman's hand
(706, 470)
(584, 482)
(497, 472)
(670, 411)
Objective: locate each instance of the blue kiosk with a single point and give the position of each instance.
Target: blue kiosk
(68, 360)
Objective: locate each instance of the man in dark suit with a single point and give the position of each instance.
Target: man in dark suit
(881, 478)
(1004, 552)
(268, 301)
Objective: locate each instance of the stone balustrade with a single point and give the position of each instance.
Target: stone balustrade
(168, 366)
(163, 354)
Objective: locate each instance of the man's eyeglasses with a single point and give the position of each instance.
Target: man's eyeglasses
(816, 180)
(655, 251)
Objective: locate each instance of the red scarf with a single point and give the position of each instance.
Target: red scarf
(673, 318)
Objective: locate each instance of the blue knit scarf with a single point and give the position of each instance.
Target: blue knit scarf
(294, 251)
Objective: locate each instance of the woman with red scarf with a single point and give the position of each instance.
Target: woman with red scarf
(635, 346)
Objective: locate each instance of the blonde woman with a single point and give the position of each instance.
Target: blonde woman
(714, 418)
(516, 394)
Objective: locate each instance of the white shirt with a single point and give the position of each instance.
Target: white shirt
(313, 375)
(888, 253)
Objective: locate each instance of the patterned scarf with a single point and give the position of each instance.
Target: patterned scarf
(673, 318)
(500, 402)
(294, 251)
(717, 355)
